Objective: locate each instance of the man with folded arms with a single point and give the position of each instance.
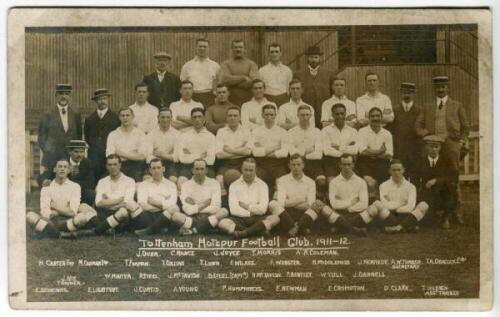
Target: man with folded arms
(373, 98)
(398, 197)
(287, 113)
(181, 109)
(296, 203)
(232, 142)
(157, 197)
(201, 202)
(248, 204)
(338, 96)
(305, 140)
(276, 75)
(114, 198)
(145, 114)
(269, 147)
(196, 143)
(375, 152)
(216, 114)
(162, 144)
(60, 208)
(251, 111)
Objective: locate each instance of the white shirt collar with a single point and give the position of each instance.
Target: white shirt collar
(433, 160)
(313, 69)
(407, 106)
(444, 99)
(103, 112)
(73, 163)
(61, 108)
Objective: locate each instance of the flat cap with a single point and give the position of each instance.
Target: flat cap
(162, 55)
(77, 144)
(432, 138)
(63, 87)
(100, 92)
(440, 80)
(408, 86)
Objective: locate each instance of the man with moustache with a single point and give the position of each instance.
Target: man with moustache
(276, 76)
(145, 114)
(316, 81)
(406, 142)
(202, 72)
(163, 85)
(373, 98)
(216, 115)
(162, 144)
(375, 148)
(129, 143)
(237, 73)
(338, 96)
(57, 127)
(98, 125)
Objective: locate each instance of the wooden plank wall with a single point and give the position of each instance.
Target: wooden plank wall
(463, 87)
(118, 60)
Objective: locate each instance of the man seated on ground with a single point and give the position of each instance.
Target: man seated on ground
(129, 143)
(81, 171)
(162, 144)
(201, 202)
(375, 152)
(438, 181)
(157, 197)
(270, 148)
(248, 203)
(114, 198)
(60, 207)
(398, 197)
(232, 142)
(196, 143)
(296, 203)
(305, 140)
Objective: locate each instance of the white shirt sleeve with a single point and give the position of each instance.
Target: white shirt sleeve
(327, 146)
(234, 203)
(412, 200)
(210, 159)
(111, 143)
(260, 208)
(318, 147)
(362, 204)
(283, 151)
(45, 199)
(76, 195)
(336, 203)
(388, 106)
(188, 208)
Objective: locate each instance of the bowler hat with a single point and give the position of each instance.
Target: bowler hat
(313, 50)
(63, 87)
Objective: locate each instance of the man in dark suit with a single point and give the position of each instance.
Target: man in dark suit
(316, 81)
(406, 141)
(57, 127)
(447, 118)
(163, 86)
(80, 171)
(437, 180)
(96, 129)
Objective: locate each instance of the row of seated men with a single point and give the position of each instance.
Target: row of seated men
(152, 205)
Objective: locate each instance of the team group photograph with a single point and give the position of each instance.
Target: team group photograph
(246, 150)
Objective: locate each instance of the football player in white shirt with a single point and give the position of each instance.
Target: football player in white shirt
(232, 148)
(375, 152)
(181, 109)
(145, 114)
(201, 202)
(276, 75)
(157, 197)
(162, 144)
(60, 207)
(296, 203)
(397, 205)
(373, 98)
(114, 198)
(251, 111)
(339, 88)
(248, 205)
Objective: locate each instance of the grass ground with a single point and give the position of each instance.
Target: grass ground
(459, 243)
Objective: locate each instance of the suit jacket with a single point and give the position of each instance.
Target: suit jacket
(84, 177)
(96, 132)
(457, 123)
(443, 172)
(316, 89)
(406, 140)
(52, 138)
(163, 93)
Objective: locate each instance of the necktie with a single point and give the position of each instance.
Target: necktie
(76, 170)
(63, 111)
(441, 104)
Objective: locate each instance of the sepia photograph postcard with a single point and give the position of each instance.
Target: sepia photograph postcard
(302, 159)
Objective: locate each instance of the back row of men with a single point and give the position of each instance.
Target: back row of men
(151, 206)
